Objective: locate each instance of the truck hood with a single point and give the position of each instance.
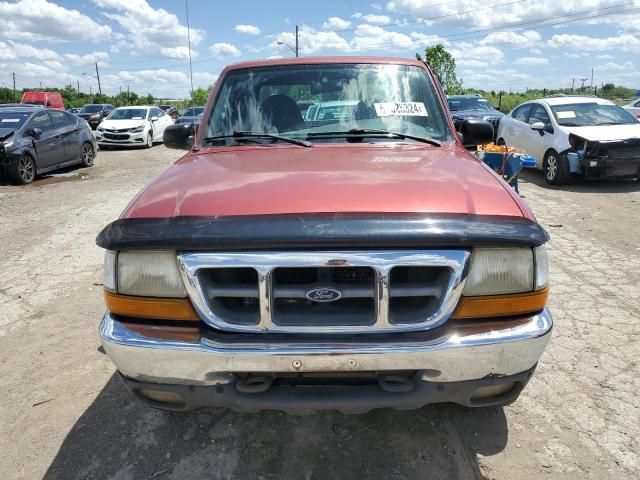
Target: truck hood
(372, 178)
(606, 132)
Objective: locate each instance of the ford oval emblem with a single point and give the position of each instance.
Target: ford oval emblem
(324, 295)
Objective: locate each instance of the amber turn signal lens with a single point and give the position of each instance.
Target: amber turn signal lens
(149, 307)
(501, 305)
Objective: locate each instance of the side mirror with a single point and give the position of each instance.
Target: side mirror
(36, 132)
(539, 127)
(154, 118)
(476, 132)
(179, 136)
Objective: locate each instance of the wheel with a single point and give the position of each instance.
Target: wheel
(23, 170)
(556, 171)
(149, 143)
(88, 155)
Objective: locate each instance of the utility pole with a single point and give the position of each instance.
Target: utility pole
(128, 95)
(14, 85)
(500, 100)
(297, 40)
(78, 82)
(98, 77)
(40, 84)
(573, 82)
(591, 84)
(583, 80)
(90, 93)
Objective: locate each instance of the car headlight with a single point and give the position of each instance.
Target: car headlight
(143, 273)
(505, 282)
(496, 271)
(137, 129)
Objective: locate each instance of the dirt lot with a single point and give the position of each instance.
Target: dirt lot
(64, 414)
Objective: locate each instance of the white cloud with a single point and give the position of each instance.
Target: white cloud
(532, 61)
(40, 20)
(424, 40)
(223, 50)
(526, 39)
(376, 19)
(468, 54)
(626, 42)
(605, 56)
(250, 29)
(311, 41)
(535, 51)
(149, 30)
(369, 37)
(336, 23)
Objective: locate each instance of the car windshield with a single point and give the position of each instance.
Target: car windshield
(193, 112)
(591, 114)
(469, 104)
(128, 114)
(344, 99)
(13, 119)
(91, 109)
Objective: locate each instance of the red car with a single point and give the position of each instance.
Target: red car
(356, 260)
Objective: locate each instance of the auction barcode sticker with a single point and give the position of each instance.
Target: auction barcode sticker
(408, 109)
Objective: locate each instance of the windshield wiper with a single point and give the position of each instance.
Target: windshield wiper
(243, 134)
(376, 131)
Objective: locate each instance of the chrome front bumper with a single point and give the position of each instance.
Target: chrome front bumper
(451, 357)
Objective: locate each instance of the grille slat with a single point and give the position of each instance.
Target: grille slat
(377, 291)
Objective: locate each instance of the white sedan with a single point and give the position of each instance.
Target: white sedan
(133, 126)
(542, 128)
(633, 108)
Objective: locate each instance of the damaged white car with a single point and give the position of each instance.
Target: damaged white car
(575, 135)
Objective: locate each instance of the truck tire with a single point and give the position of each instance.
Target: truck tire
(22, 170)
(555, 168)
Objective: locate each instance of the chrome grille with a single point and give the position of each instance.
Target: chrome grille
(380, 291)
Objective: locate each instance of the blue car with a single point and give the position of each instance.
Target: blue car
(35, 141)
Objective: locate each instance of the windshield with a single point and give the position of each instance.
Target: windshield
(128, 114)
(13, 120)
(591, 114)
(341, 97)
(469, 104)
(34, 102)
(91, 109)
(193, 112)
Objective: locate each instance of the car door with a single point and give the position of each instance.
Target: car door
(160, 124)
(538, 142)
(48, 144)
(514, 128)
(70, 132)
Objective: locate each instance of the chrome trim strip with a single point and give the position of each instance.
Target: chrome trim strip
(381, 260)
(449, 358)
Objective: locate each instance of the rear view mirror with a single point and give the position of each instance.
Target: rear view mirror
(476, 132)
(179, 136)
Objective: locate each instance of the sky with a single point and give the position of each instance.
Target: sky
(143, 44)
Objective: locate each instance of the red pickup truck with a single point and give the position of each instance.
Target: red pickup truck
(355, 259)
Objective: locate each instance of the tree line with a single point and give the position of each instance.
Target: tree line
(72, 98)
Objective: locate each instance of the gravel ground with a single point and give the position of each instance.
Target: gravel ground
(66, 416)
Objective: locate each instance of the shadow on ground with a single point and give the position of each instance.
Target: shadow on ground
(581, 185)
(118, 438)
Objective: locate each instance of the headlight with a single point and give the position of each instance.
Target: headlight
(145, 274)
(137, 129)
(496, 271)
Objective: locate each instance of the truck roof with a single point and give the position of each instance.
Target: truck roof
(320, 60)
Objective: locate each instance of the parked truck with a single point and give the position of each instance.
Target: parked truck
(328, 263)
